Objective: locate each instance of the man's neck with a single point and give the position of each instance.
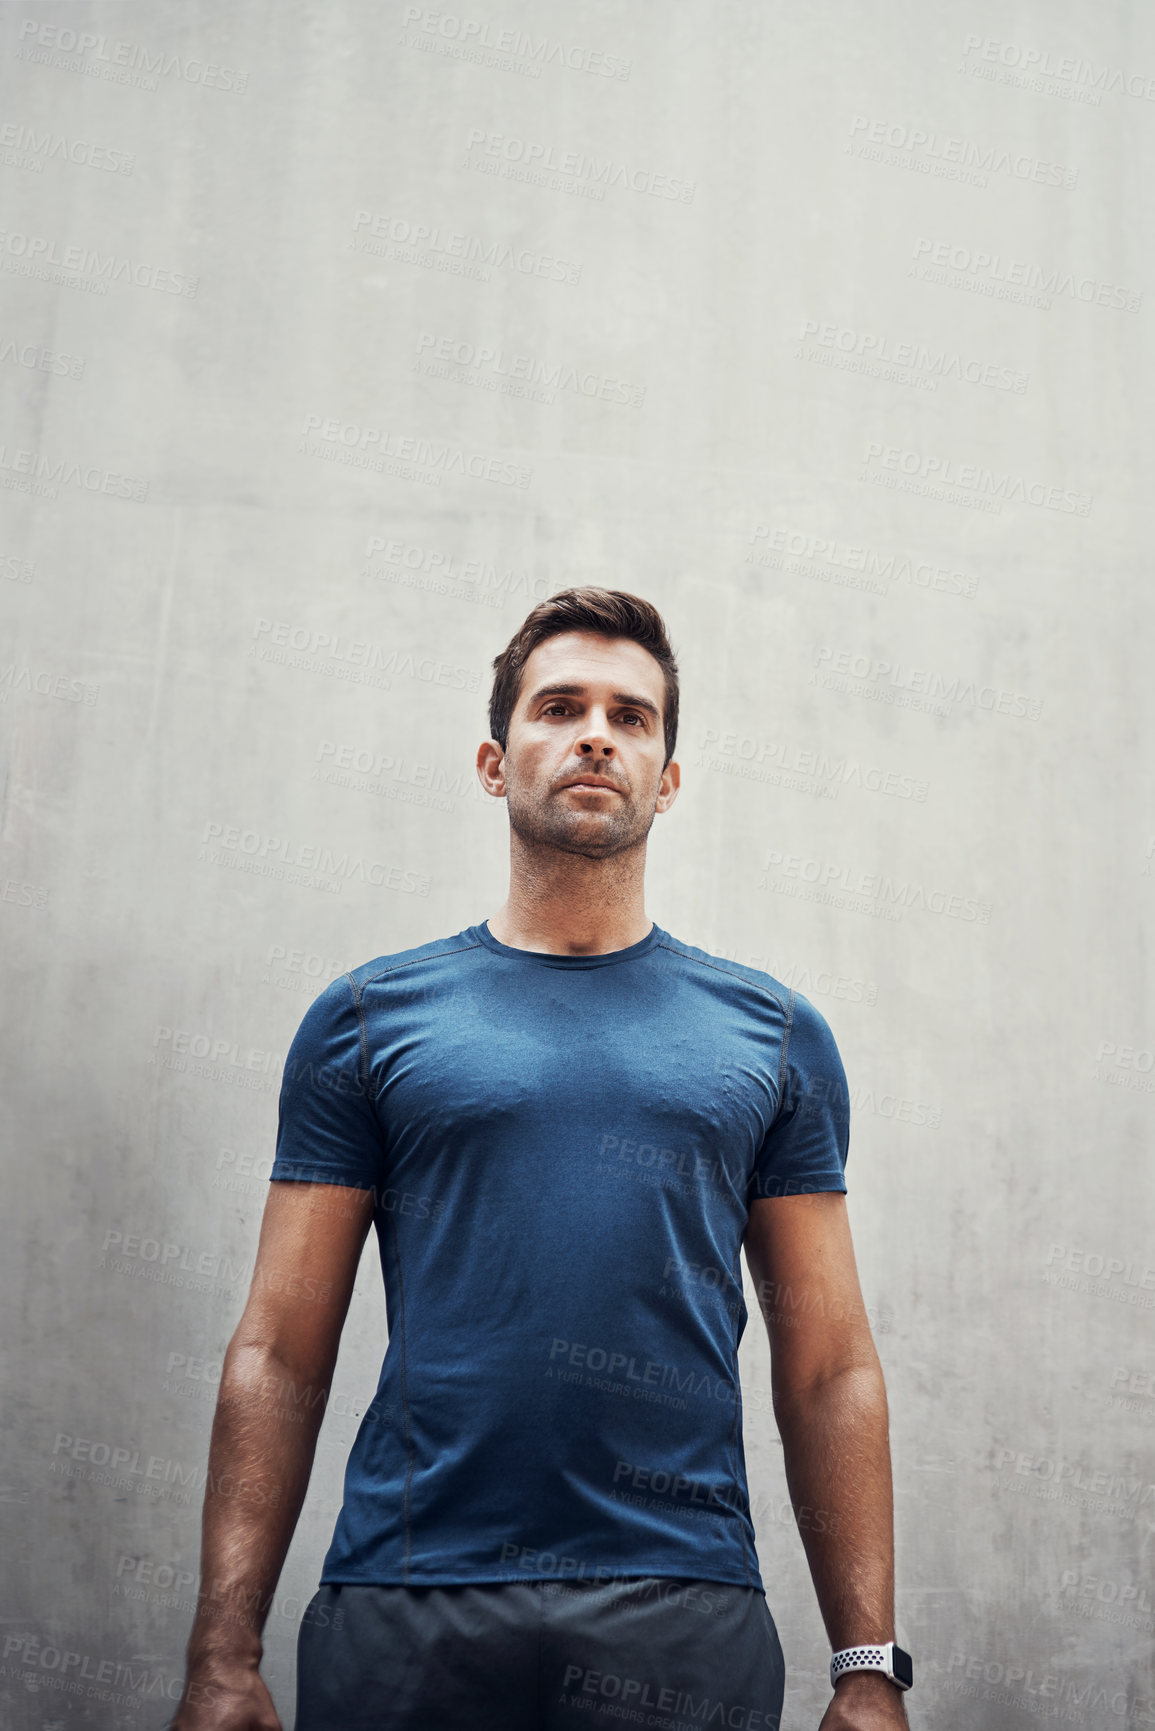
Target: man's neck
(563, 926)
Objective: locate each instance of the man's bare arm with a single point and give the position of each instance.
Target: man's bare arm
(274, 1386)
(830, 1404)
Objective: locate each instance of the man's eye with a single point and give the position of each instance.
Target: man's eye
(634, 716)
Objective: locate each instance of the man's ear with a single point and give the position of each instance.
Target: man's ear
(491, 768)
(668, 786)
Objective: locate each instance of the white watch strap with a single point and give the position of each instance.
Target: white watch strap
(862, 1659)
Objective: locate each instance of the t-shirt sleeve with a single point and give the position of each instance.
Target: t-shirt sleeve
(327, 1127)
(806, 1146)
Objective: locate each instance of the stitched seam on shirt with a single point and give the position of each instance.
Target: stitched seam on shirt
(363, 1061)
(411, 1460)
(729, 973)
(785, 1048)
(413, 960)
(746, 1539)
(734, 1430)
(788, 1011)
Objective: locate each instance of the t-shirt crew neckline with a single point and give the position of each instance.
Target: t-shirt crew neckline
(547, 959)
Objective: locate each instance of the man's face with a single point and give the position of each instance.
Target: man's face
(582, 770)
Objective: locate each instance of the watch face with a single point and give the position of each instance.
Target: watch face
(901, 1666)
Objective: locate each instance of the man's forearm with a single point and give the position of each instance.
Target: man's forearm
(836, 1451)
(264, 1438)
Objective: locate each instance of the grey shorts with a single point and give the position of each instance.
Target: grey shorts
(539, 1656)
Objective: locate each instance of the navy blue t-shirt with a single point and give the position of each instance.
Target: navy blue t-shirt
(563, 1151)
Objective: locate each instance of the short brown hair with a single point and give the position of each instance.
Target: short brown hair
(609, 612)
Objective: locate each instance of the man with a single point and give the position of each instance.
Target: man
(563, 1124)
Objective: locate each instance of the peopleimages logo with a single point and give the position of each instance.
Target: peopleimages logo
(993, 274)
(448, 571)
(480, 39)
(119, 62)
(370, 447)
(743, 755)
(951, 158)
(39, 359)
(877, 352)
(36, 472)
(534, 157)
(191, 1043)
(342, 656)
(493, 367)
(874, 892)
(992, 487)
(1129, 1491)
(887, 681)
(1067, 68)
(274, 856)
(418, 242)
(38, 253)
(37, 148)
(865, 567)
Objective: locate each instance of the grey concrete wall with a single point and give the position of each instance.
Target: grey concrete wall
(333, 335)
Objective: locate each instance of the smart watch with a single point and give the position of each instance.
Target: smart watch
(889, 1659)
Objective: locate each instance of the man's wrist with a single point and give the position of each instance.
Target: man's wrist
(868, 1698)
(232, 1647)
(866, 1679)
(881, 1658)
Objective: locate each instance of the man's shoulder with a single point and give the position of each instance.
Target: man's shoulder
(333, 1019)
(741, 972)
(803, 1019)
(397, 961)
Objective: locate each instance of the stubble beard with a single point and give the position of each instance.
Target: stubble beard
(541, 821)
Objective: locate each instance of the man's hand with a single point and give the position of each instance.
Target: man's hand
(830, 1404)
(226, 1696)
(275, 1383)
(865, 1701)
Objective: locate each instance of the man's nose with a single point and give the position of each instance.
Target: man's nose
(594, 740)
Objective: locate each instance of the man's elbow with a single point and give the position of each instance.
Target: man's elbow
(258, 1377)
(854, 1379)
